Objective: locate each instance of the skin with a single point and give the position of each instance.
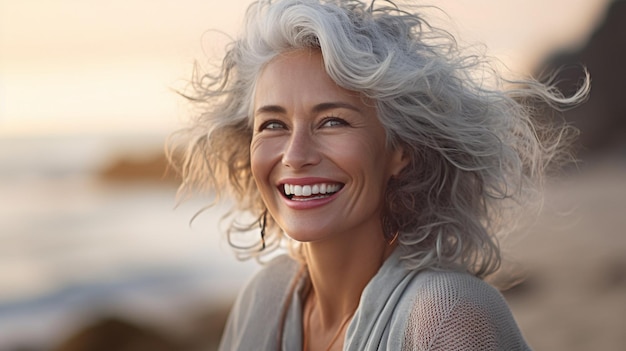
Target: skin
(308, 130)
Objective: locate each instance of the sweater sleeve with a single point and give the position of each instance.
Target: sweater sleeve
(456, 311)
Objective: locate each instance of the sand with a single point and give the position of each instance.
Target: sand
(574, 256)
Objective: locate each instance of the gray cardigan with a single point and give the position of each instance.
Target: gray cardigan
(399, 309)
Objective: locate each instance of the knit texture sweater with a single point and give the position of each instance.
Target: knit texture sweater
(399, 309)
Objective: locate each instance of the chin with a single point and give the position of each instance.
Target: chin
(306, 235)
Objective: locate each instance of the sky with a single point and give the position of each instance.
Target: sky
(87, 66)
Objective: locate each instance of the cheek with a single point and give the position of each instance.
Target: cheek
(262, 159)
(258, 166)
(366, 154)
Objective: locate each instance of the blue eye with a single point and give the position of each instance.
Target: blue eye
(333, 122)
(272, 125)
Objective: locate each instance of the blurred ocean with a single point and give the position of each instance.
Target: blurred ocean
(73, 246)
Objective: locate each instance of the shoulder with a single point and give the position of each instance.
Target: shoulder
(270, 284)
(454, 287)
(256, 314)
(457, 311)
(443, 294)
(278, 270)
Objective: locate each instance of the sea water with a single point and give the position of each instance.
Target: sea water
(73, 246)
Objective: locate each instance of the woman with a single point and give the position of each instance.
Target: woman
(365, 141)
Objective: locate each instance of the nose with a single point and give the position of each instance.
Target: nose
(301, 150)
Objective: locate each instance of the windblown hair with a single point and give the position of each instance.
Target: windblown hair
(477, 149)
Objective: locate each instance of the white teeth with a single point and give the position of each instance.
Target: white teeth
(315, 189)
(323, 189)
(308, 190)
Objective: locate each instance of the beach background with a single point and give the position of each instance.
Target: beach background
(95, 253)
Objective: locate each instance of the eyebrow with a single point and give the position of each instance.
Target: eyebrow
(325, 106)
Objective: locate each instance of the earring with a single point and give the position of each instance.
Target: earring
(262, 224)
(391, 226)
(393, 240)
(390, 232)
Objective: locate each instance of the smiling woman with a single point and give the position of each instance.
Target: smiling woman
(360, 136)
(309, 133)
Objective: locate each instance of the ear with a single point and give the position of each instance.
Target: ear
(399, 160)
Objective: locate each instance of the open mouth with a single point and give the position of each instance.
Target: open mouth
(310, 192)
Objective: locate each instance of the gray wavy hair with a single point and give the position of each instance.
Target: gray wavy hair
(476, 148)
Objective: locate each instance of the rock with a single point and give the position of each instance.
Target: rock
(111, 333)
(601, 120)
(155, 169)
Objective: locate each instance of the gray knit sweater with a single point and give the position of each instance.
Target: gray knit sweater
(399, 310)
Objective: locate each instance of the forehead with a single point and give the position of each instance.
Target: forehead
(299, 77)
(303, 59)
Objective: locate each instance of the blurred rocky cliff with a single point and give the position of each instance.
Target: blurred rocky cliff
(601, 120)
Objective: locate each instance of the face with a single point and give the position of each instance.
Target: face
(318, 152)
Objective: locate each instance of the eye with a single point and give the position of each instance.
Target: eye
(333, 122)
(272, 125)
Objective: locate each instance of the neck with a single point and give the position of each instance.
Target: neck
(340, 270)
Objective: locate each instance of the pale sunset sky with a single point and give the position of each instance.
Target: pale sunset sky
(86, 66)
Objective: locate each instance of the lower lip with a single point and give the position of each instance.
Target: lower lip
(310, 204)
